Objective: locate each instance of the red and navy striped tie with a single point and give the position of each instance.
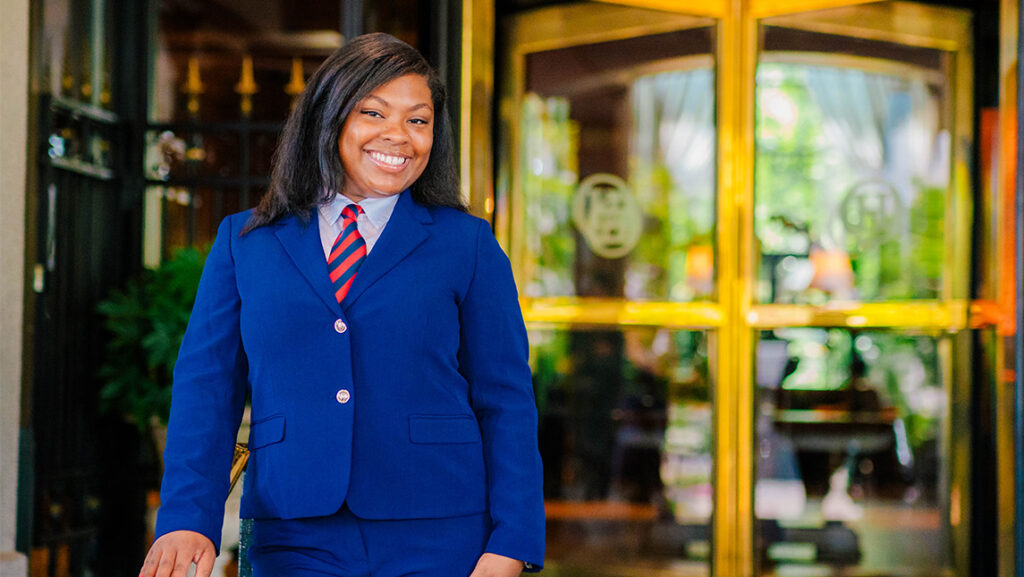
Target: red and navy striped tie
(348, 253)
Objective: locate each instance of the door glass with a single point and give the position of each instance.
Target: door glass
(617, 169)
(613, 191)
(853, 161)
(852, 169)
(851, 459)
(625, 435)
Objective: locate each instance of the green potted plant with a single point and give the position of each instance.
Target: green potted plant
(146, 321)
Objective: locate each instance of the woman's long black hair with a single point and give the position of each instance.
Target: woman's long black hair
(307, 167)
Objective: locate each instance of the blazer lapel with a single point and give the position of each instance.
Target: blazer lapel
(404, 231)
(302, 243)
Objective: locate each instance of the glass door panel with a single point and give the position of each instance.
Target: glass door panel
(625, 435)
(852, 169)
(614, 187)
(859, 254)
(606, 203)
(852, 452)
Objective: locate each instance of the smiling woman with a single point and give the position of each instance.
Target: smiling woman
(386, 144)
(438, 472)
(385, 91)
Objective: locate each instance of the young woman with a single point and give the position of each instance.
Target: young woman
(376, 327)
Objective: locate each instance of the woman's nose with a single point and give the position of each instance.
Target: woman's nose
(395, 131)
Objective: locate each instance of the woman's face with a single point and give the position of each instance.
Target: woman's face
(386, 140)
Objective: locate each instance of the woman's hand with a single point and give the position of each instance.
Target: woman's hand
(172, 554)
(491, 565)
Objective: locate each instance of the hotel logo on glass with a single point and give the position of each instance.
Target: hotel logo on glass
(607, 215)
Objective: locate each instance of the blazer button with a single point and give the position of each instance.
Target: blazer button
(343, 396)
(340, 326)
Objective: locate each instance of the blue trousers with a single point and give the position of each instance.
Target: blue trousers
(343, 545)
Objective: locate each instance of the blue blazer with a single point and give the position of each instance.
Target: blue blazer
(413, 399)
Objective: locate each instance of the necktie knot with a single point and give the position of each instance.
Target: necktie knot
(351, 212)
(348, 252)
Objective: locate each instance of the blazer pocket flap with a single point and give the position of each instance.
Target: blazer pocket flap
(432, 429)
(266, 432)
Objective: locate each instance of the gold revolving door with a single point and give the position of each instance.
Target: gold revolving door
(739, 231)
(859, 256)
(606, 202)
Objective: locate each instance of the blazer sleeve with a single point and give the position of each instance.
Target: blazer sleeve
(208, 398)
(494, 358)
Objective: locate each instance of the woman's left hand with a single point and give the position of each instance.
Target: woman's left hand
(491, 565)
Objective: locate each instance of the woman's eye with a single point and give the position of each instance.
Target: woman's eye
(422, 121)
(373, 113)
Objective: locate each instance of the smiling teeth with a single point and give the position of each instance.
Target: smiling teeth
(388, 159)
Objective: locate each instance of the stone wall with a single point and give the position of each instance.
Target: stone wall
(14, 58)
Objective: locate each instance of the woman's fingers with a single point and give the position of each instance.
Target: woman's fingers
(204, 563)
(491, 565)
(174, 564)
(174, 553)
(150, 564)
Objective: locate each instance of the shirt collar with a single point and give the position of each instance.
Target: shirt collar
(378, 210)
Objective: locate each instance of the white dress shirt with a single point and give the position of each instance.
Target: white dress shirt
(371, 222)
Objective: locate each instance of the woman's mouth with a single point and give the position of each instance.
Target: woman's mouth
(389, 161)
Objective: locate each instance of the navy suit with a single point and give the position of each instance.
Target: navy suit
(411, 400)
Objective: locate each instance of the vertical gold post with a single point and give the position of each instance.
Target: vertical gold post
(508, 218)
(962, 148)
(477, 89)
(733, 541)
(957, 359)
(956, 372)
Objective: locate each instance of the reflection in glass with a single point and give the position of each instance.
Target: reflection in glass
(401, 18)
(673, 171)
(625, 438)
(849, 458)
(852, 169)
(76, 49)
(165, 155)
(178, 155)
(199, 50)
(549, 178)
(178, 217)
(216, 154)
(616, 169)
(261, 151)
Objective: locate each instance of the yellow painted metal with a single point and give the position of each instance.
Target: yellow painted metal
(712, 8)
(957, 437)
(577, 24)
(477, 89)
(959, 206)
(768, 8)
(508, 219)
(911, 315)
(959, 210)
(937, 78)
(572, 311)
(733, 528)
(897, 22)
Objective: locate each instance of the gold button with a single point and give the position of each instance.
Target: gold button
(340, 326)
(343, 396)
